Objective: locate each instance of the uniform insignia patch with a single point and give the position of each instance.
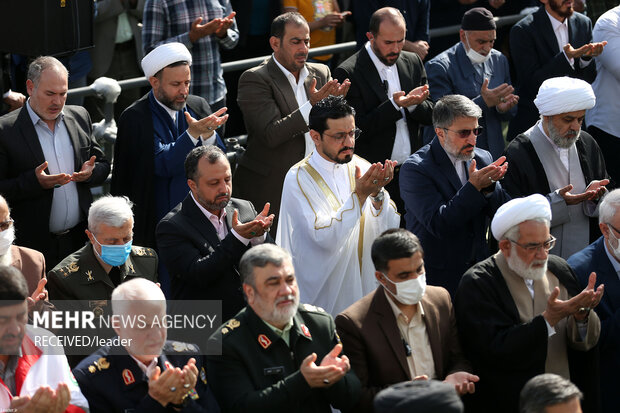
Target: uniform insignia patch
(89, 275)
(337, 337)
(264, 341)
(191, 347)
(73, 267)
(232, 324)
(102, 363)
(305, 330)
(92, 369)
(179, 347)
(193, 395)
(224, 330)
(131, 270)
(203, 375)
(128, 377)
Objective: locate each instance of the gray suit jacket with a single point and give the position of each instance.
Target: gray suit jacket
(106, 23)
(275, 128)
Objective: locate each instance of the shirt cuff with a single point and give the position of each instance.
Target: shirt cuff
(209, 141)
(550, 330)
(571, 62)
(305, 111)
(194, 140)
(243, 240)
(6, 94)
(411, 108)
(247, 241)
(394, 103)
(584, 63)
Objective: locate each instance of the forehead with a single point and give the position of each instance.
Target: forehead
(570, 115)
(345, 124)
(463, 123)
(11, 310)
(295, 30)
(533, 232)
(4, 210)
(176, 73)
(208, 170)
(52, 78)
(481, 34)
(407, 264)
(270, 271)
(390, 28)
(127, 227)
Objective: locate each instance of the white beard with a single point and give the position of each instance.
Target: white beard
(525, 271)
(6, 259)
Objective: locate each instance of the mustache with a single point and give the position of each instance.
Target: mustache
(289, 297)
(467, 147)
(346, 148)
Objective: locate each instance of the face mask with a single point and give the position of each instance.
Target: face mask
(616, 251)
(475, 57)
(114, 255)
(6, 239)
(411, 291)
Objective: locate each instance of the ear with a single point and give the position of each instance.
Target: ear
(316, 137)
(154, 82)
(505, 247)
(29, 87)
(604, 229)
(192, 185)
(441, 134)
(274, 42)
(90, 236)
(370, 36)
(380, 277)
(249, 292)
(463, 37)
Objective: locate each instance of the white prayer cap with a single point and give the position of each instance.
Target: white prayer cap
(564, 94)
(165, 55)
(517, 211)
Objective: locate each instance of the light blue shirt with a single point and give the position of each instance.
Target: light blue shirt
(59, 154)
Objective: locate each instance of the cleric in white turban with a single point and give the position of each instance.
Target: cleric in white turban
(564, 94)
(165, 55)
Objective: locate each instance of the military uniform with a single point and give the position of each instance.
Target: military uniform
(113, 382)
(259, 372)
(80, 276)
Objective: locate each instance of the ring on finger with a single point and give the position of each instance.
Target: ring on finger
(387, 178)
(209, 128)
(502, 99)
(186, 386)
(375, 182)
(325, 381)
(173, 389)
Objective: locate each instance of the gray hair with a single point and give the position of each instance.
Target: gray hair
(42, 63)
(211, 152)
(113, 211)
(513, 232)
(609, 206)
(451, 107)
(546, 390)
(260, 256)
(136, 289)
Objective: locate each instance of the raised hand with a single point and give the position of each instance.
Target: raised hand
(86, 171)
(498, 95)
(487, 176)
(206, 126)
(414, 97)
(50, 181)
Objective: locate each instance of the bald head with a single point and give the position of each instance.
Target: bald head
(385, 14)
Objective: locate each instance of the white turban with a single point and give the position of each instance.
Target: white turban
(564, 94)
(165, 55)
(517, 211)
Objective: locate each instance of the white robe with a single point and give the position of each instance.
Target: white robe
(328, 232)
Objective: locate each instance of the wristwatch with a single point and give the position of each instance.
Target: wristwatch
(380, 196)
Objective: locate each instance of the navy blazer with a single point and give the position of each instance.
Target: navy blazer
(538, 57)
(452, 72)
(449, 218)
(593, 258)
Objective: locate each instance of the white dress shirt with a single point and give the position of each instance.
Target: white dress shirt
(560, 29)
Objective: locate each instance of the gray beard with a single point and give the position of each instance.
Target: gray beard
(7, 259)
(559, 140)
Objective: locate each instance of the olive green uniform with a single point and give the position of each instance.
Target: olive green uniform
(259, 372)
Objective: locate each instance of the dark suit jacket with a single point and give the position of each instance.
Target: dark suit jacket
(134, 164)
(21, 153)
(450, 219)
(375, 114)
(31, 263)
(201, 266)
(275, 131)
(373, 343)
(526, 175)
(593, 258)
(537, 57)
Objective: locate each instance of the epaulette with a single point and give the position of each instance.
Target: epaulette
(68, 269)
(100, 364)
(312, 309)
(230, 325)
(171, 347)
(143, 252)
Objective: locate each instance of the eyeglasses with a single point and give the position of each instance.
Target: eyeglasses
(464, 133)
(355, 133)
(4, 225)
(533, 248)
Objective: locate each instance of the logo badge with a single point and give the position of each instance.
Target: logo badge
(264, 341)
(128, 377)
(305, 330)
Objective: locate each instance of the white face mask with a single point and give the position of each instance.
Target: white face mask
(616, 250)
(475, 57)
(6, 239)
(409, 292)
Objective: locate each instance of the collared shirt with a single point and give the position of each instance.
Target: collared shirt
(168, 21)
(219, 223)
(389, 74)
(459, 166)
(147, 370)
(414, 333)
(59, 154)
(612, 258)
(336, 176)
(7, 372)
(562, 152)
(174, 114)
(285, 333)
(560, 29)
(301, 97)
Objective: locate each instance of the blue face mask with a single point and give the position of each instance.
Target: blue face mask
(114, 255)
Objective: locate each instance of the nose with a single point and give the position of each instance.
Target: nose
(471, 139)
(576, 124)
(541, 253)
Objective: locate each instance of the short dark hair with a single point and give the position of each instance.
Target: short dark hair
(381, 15)
(546, 390)
(13, 287)
(175, 64)
(331, 107)
(211, 152)
(393, 244)
(278, 25)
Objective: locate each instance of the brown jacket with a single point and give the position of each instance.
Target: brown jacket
(31, 263)
(372, 341)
